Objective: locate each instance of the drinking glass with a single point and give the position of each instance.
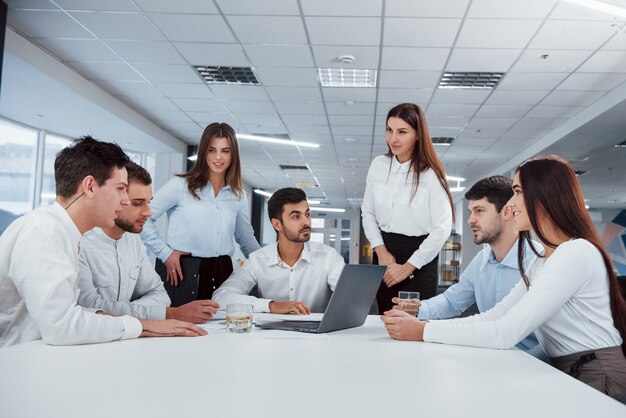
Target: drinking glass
(407, 302)
(239, 317)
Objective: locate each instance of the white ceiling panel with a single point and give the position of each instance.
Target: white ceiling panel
(193, 28)
(245, 106)
(106, 71)
(538, 123)
(30, 5)
(334, 30)
(366, 57)
(572, 98)
(168, 6)
(362, 108)
(420, 96)
(79, 49)
(46, 24)
(166, 73)
(119, 25)
(301, 131)
(300, 108)
(479, 33)
(605, 62)
(97, 5)
(265, 7)
(279, 55)
(504, 9)
(569, 34)
(342, 8)
(504, 111)
(616, 43)
(131, 88)
(460, 96)
(268, 29)
(199, 105)
(484, 123)
(294, 93)
(558, 60)
(593, 81)
(186, 90)
(531, 81)
(224, 55)
(420, 32)
(425, 8)
(170, 115)
(445, 121)
(228, 92)
(345, 94)
(517, 97)
(492, 60)
(354, 120)
(463, 110)
(206, 118)
(151, 52)
(568, 11)
(399, 58)
(350, 131)
(410, 79)
(287, 76)
(543, 111)
(305, 119)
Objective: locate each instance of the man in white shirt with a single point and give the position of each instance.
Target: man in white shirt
(39, 256)
(294, 276)
(115, 273)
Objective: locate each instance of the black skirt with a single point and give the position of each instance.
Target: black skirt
(202, 276)
(424, 279)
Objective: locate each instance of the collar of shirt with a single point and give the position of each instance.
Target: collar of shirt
(274, 259)
(208, 190)
(104, 237)
(67, 221)
(398, 166)
(510, 260)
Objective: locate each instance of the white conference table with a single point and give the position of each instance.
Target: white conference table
(358, 372)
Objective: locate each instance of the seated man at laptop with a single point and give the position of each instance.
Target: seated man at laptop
(115, 274)
(491, 275)
(294, 276)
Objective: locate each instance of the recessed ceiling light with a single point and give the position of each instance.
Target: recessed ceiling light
(227, 75)
(469, 80)
(341, 77)
(262, 192)
(339, 210)
(352, 159)
(346, 59)
(621, 145)
(600, 6)
(277, 141)
(442, 140)
(351, 140)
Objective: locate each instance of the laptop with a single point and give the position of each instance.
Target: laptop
(348, 306)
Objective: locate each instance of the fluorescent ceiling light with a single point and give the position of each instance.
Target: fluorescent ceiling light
(600, 6)
(193, 157)
(342, 77)
(328, 209)
(313, 202)
(458, 180)
(457, 189)
(277, 141)
(452, 178)
(262, 192)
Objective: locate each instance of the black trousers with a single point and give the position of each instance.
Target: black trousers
(201, 277)
(424, 279)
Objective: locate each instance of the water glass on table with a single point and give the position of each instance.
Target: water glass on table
(409, 302)
(239, 317)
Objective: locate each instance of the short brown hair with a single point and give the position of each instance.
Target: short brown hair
(138, 173)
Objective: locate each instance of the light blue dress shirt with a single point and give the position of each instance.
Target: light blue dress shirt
(203, 227)
(484, 282)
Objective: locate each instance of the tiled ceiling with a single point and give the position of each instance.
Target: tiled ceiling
(561, 62)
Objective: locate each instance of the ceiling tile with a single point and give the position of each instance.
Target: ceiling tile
(297, 77)
(517, 97)
(152, 52)
(565, 34)
(350, 109)
(268, 29)
(593, 81)
(605, 62)
(187, 6)
(198, 105)
(493, 9)
(131, 88)
(420, 32)
(133, 26)
(558, 60)
(491, 33)
(227, 55)
(492, 60)
(106, 71)
(567, 11)
(227, 92)
(193, 28)
(463, 110)
(345, 94)
(46, 24)
(30, 5)
(572, 98)
(79, 50)
(300, 108)
(554, 111)
(238, 106)
(530, 81)
(351, 120)
(295, 93)
(402, 79)
(332, 30)
(266, 7)
(349, 131)
(186, 91)
(366, 57)
(165, 73)
(505, 111)
(342, 8)
(279, 55)
(420, 96)
(405, 58)
(483, 123)
(425, 8)
(461, 96)
(98, 5)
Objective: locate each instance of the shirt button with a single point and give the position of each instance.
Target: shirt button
(213, 287)
(212, 279)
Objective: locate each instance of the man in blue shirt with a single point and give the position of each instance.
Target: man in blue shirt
(494, 271)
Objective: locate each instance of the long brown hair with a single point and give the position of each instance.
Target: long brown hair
(198, 176)
(549, 185)
(424, 155)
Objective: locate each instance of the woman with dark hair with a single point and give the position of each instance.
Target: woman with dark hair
(206, 208)
(569, 296)
(407, 208)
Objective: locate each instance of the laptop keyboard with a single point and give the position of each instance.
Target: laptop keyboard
(303, 324)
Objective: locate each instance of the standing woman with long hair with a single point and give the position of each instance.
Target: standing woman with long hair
(206, 208)
(407, 208)
(569, 297)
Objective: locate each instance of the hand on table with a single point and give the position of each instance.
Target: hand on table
(174, 272)
(196, 312)
(297, 308)
(402, 326)
(169, 328)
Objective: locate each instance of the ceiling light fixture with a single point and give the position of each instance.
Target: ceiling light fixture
(341, 77)
(469, 80)
(262, 192)
(278, 141)
(600, 6)
(328, 210)
(458, 187)
(193, 157)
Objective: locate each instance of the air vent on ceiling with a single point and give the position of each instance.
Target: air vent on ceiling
(293, 167)
(469, 80)
(227, 75)
(580, 172)
(621, 145)
(342, 77)
(442, 140)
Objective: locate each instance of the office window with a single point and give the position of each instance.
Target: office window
(52, 145)
(18, 161)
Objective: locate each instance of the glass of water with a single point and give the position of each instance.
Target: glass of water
(409, 302)
(239, 317)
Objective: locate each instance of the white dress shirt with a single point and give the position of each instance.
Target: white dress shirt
(117, 277)
(567, 306)
(311, 280)
(39, 285)
(387, 206)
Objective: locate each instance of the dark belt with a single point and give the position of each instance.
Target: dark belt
(578, 364)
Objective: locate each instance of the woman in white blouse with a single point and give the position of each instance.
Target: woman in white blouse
(407, 208)
(570, 297)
